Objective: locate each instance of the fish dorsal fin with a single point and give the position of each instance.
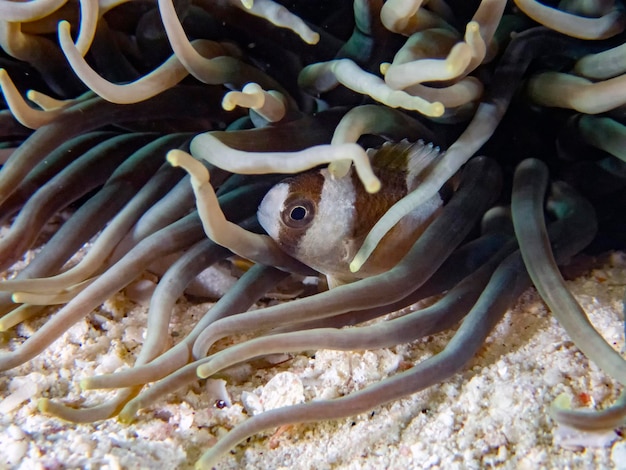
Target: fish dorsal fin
(411, 158)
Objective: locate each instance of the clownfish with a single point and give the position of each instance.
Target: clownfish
(322, 221)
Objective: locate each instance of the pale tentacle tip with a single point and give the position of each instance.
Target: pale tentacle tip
(85, 384)
(384, 67)
(228, 104)
(473, 27)
(562, 402)
(174, 157)
(203, 371)
(43, 405)
(437, 109)
(313, 39)
(373, 186)
(64, 26)
(356, 264)
(128, 413)
(198, 172)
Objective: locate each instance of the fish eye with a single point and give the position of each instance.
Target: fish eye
(298, 212)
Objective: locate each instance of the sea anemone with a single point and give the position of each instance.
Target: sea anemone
(105, 100)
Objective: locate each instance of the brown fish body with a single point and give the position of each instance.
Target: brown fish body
(322, 221)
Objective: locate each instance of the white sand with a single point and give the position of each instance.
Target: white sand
(493, 414)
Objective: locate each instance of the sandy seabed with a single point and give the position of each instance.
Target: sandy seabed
(494, 414)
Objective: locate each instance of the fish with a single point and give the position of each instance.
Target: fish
(322, 220)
